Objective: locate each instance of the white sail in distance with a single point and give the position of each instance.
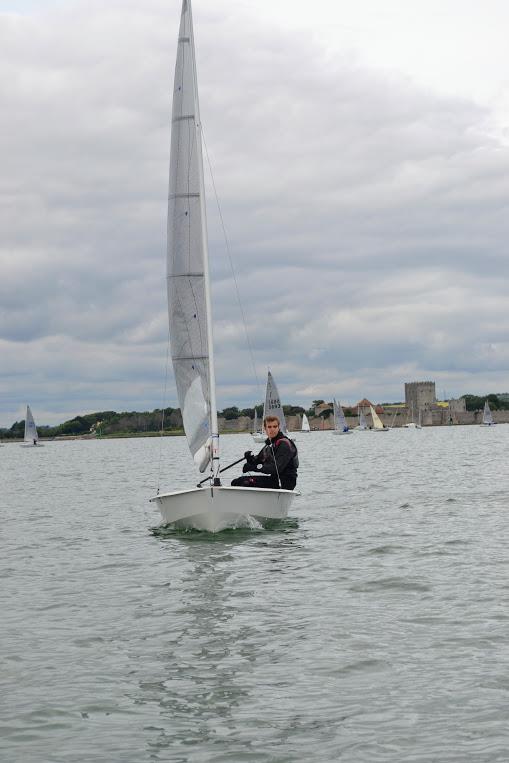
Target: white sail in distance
(187, 263)
(273, 405)
(305, 424)
(377, 422)
(30, 428)
(487, 416)
(339, 417)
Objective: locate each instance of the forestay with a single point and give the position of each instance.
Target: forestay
(187, 274)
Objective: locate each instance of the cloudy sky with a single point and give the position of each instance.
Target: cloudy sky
(360, 151)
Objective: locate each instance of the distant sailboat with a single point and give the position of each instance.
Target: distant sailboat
(340, 425)
(31, 438)
(363, 424)
(258, 435)
(272, 405)
(305, 424)
(214, 507)
(377, 421)
(411, 424)
(487, 416)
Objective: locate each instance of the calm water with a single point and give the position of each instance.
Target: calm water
(371, 626)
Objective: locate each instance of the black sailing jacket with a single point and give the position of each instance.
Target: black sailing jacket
(287, 459)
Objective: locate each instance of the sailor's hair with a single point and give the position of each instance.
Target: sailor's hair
(271, 418)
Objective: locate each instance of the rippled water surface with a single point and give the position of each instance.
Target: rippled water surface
(370, 626)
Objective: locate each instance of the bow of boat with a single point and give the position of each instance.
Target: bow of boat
(219, 508)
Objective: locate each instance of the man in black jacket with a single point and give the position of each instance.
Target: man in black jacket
(276, 464)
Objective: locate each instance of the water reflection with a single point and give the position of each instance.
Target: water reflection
(206, 660)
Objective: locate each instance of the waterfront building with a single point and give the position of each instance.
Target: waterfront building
(420, 396)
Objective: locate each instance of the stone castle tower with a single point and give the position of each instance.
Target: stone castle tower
(420, 395)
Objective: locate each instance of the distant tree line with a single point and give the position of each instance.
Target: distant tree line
(476, 403)
(104, 423)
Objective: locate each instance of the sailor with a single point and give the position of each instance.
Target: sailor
(276, 464)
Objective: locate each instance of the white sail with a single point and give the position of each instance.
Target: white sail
(340, 424)
(377, 422)
(305, 424)
(187, 266)
(362, 420)
(31, 435)
(218, 506)
(273, 405)
(487, 416)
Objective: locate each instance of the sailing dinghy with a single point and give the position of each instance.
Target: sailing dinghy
(273, 407)
(362, 426)
(411, 424)
(214, 507)
(340, 425)
(377, 421)
(31, 438)
(258, 435)
(487, 416)
(305, 424)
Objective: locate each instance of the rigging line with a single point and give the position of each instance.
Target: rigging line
(163, 411)
(228, 251)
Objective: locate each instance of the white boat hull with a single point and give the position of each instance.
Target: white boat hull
(223, 507)
(338, 431)
(258, 437)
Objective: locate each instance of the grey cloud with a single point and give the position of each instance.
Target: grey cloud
(366, 217)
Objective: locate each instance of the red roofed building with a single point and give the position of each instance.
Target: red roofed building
(365, 404)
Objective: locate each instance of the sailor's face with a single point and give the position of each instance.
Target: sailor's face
(272, 428)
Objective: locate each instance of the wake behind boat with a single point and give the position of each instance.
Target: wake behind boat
(214, 507)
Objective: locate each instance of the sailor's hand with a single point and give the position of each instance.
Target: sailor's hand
(249, 455)
(248, 467)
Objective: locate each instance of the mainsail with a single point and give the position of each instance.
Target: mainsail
(30, 428)
(339, 417)
(487, 416)
(187, 258)
(305, 424)
(273, 405)
(377, 422)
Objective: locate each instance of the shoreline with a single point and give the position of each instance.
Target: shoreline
(181, 433)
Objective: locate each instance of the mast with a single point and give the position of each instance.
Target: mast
(214, 430)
